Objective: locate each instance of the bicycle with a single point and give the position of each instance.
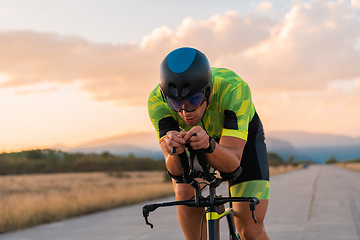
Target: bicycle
(214, 204)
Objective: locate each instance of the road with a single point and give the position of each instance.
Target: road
(320, 202)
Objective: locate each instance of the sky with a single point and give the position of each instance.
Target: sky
(75, 71)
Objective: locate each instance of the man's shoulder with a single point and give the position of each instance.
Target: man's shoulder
(157, 108)
(155, 98)
(222, 72)
(156, 90)
(155, 94)
(225, 74)
(223, 78)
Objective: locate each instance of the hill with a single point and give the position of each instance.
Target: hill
(281, 147)
(316, 147)
(305, 139)
(138, 144)
(301, 145)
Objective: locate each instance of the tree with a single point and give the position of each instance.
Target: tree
(331, 160)
(275, 160)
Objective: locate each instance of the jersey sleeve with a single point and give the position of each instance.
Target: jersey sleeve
(160, 115)
(238, 108)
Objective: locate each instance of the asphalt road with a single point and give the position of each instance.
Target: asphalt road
(321, 202)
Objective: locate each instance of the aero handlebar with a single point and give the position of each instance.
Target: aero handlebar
(189, 174)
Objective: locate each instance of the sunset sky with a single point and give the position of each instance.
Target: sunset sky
(76, 71)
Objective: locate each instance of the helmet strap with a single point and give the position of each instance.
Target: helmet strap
(204, 125)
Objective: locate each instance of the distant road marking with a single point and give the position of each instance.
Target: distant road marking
(313, 194)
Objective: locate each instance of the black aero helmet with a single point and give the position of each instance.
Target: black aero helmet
(183, 72)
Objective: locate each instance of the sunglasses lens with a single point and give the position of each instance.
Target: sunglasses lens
(176, 105)
(190, 104)
(197, 99)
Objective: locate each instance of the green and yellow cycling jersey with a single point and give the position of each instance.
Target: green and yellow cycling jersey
(228, 114)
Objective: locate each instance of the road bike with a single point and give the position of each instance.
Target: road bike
(213, 203)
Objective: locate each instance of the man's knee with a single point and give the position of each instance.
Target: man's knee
(246, 224)
(183, 191)
(253, 232)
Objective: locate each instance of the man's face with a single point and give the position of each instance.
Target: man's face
(193, 118)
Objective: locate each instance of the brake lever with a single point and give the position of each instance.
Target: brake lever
(253, 202)
(148, 223)
(146, 210)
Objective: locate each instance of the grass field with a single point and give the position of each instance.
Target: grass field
(283, 169)
(351, 166)
(29, 200)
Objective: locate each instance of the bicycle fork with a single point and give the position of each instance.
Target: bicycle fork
(213, 219)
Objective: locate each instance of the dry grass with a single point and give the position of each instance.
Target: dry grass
(28, 200)
(352, 166)
(283, 169)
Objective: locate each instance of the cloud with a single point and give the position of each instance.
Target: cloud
(311, 46)
(109, 72)
(124, 73)
(334, 109)
(355, 3)
(264, 6)
(314, 45)
(218, 36)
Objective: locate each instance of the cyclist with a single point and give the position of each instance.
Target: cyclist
(214, 103)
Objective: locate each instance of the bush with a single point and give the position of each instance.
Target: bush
(331, 160)
(51, 161)
(275, 160)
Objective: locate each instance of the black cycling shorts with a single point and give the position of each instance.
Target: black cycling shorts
(254, 164)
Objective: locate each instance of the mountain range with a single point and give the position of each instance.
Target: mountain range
(313, 146)
(139, 144)
(301, 145)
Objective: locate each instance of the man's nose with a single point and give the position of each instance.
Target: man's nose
(183, 106)
(184, 112)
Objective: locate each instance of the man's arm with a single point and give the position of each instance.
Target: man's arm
(228, 157)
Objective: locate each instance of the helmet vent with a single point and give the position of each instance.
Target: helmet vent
(185, 91)
(173, 90)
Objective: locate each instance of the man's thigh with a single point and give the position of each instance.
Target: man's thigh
(243, 217)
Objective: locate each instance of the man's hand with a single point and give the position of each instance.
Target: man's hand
(174, 140)
(200, 140)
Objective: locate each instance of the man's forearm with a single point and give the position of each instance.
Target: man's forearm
(224, 159)
(227, 155)
(173, 165)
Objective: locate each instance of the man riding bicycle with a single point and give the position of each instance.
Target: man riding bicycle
(214, 103)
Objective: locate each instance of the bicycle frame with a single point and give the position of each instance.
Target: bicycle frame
(213, 226)
(212, 202)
